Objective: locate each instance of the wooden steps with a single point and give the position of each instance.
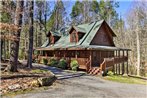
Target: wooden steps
(94, 71)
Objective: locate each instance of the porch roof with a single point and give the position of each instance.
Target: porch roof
(83, 47)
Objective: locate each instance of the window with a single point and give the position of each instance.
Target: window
(73, 36)
(51, 40)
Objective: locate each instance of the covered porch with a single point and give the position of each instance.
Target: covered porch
(104, 58)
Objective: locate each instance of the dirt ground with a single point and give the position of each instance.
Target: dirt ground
(77, 85)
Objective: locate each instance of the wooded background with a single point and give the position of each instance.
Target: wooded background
(35, 18)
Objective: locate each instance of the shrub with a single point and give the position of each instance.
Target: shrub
(45, 61)
(62, 64)
(74, 65)
(37, 60)
(53, 62)
(74, 68)
(105, 73)
(110, 73)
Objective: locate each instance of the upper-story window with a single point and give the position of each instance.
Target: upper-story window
(53, 37)
(74, 36)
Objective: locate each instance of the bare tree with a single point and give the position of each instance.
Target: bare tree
(136, 35)
(15, 43)
(30, 52)
(137, 40)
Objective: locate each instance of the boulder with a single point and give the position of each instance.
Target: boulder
(34, 83)
(47, 81)
(14, 87)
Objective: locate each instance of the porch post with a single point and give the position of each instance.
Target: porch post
(119, 63)
(116, 64)
(90, 58)
(113, 70)
(123, 64)
(100, 57)
(46, 54)
(54, 54)
(64, 53)
(76, 54)
(127, 63)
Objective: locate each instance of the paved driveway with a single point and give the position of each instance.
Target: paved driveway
(79, 85)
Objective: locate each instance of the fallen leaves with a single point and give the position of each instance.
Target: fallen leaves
(19, 83)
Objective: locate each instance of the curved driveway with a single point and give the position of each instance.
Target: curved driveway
(79, 85)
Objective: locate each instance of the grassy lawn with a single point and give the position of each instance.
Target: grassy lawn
(125, 79)
(30, 90)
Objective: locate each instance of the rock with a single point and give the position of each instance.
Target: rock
(14, 87)
(4, 91)
(34, 83)
(47, 81)
(25, 86)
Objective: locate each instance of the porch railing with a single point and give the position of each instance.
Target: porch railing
(108, 63)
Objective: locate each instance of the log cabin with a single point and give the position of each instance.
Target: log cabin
(91, 44)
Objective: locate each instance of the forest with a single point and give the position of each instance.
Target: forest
(25, 24)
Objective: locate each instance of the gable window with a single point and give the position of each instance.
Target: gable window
(51, 39)
(73, 36)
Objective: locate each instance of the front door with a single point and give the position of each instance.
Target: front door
(95, 59)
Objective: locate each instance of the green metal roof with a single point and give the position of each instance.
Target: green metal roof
(46, 43)
(79, 29)
(55, 33)
(90, 29)
(94, 27)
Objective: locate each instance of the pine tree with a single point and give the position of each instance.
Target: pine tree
(88, 11)
(42, 12)
(57, 18)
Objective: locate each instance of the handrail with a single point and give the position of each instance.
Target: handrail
(103, 65)
(109, 62)
(88, 66)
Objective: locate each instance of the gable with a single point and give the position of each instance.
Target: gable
(103, 37)
(90, 36)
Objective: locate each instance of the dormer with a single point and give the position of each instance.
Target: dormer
(76, 33)
(53, 37)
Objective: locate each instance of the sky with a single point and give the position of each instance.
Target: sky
(123, 7)
(121, 10)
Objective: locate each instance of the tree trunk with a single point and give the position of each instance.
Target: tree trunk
(15, 44)
(30, 52)
(138, 53)
(4, 52)
(138, 41)
(1, 42)
(45, 18)
(40, 29)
